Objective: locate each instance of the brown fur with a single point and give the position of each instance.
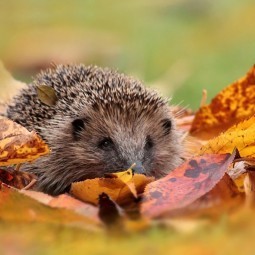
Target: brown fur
(103, 122)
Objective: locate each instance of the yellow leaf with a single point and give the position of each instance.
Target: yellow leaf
(127, 178)
(121, 189)
(240, 136)
(124, 176)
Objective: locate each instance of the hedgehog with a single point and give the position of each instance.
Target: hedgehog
(102, 122)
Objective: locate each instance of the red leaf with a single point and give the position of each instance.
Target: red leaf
(185, 184)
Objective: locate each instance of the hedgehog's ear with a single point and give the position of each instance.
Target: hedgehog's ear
(167, 125)
(78, 125)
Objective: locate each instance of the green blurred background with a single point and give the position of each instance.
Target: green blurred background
(178, 47)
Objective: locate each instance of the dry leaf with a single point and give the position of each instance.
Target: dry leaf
(249, 187)
(17, 179)
(116, 188)
(18, 145)
(64, 201)
(125, 176)
(238, 173)
(232, 105)
(185, 184)
(16, 206)
(109, 212)
(240, 136)
(47, 95)
(223, 198)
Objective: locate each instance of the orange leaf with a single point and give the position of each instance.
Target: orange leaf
(185, 184)
(18, 145)
(16, 206)
(66, 202)
(232, 105)
(119, 189)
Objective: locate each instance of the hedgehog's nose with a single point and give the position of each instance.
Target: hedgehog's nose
(138, 168)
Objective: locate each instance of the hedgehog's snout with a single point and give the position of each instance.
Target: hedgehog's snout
(138, 168)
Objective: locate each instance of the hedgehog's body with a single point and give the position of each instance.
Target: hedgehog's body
(102, 122)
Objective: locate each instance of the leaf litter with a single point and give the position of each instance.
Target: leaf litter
(208, 183)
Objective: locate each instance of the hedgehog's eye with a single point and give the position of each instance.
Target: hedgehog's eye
(78, 126)
(106, 143)
(167, 125)
(149, 143)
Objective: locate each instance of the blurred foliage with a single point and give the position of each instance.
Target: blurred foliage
(177, 45)
(224, 237)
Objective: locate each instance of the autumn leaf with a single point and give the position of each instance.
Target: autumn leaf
(240, 136)
(126, 177)
(118, 188)
(185, 184)
(223, 198)
(109, 212)
(30, 210)
(232, 105)
(238, 173)
(18, 145)
(47, 95)
(64, 201)
(249, 187)
(17, 179)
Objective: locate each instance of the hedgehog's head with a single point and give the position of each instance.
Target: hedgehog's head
(112, 139)
(110, 136)
(111, 124)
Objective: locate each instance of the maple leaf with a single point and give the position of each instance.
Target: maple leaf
(232, 105)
